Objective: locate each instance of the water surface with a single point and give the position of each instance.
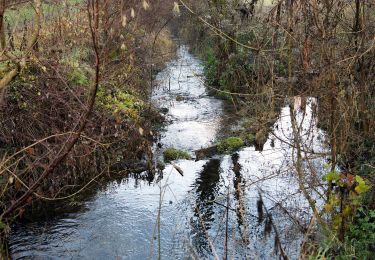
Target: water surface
(212, 210)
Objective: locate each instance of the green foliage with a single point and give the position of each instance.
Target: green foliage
(210, 66)
(26, 12)
(347, 181)
(346, 197)
(160, 165)
(349, 220)
(332, 176)
(362, 186)
(78, 77)
(121, 102)
(234, 70)
(171, 154)
(248, 129)
(361, 235)
(79, 71)
(226, 73)
(358, 240)
(230, 145)
(321, 254)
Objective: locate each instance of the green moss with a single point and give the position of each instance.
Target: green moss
(171, 154)
(230, 145)
(121, 102)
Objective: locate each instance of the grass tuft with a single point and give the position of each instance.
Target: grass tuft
(171, 154)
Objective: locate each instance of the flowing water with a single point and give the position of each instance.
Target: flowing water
(235, 205)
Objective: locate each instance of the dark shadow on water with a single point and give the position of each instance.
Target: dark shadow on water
(207, 188)
(238, 183)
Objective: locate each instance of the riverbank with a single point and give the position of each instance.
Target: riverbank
(294, 179)
(258, 53)
(42, 107)
(191, 202)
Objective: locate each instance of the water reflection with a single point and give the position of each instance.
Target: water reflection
(212, 209)
(207, 188)
(239, 188)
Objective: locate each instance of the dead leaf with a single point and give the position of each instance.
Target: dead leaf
(30, 151)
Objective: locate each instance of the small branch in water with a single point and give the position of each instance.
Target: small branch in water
(277, 236)
(178, 169)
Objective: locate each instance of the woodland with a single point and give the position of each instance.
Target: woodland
(76, 85)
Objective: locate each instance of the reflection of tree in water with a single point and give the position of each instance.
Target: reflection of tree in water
(237, 182)
(207, 187)
(240, 208)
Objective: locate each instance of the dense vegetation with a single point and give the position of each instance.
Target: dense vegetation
(75, 84)
(259, 52)
(76, 80)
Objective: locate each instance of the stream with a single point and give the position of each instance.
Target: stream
(247, 205)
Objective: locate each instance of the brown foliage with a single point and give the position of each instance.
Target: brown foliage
(45, 107)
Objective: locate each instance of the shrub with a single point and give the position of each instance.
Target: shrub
(210, 68)
(361, 235)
